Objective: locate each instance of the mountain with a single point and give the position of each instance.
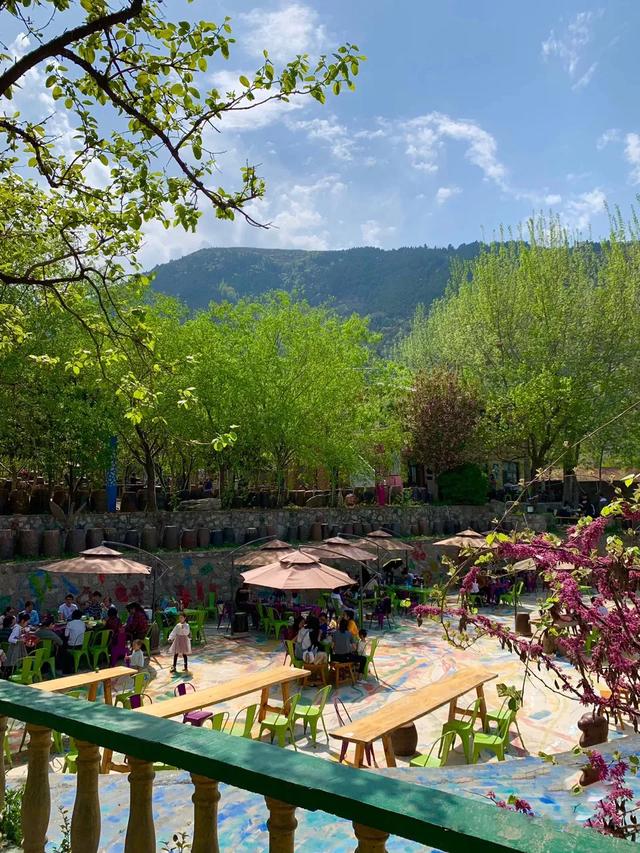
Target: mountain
(385, 285)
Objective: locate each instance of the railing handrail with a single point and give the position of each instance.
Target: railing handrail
(421, 814)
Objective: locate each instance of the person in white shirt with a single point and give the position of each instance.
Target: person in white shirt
(67, 608)
(75, 630)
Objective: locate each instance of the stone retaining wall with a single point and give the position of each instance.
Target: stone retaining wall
(35, 535)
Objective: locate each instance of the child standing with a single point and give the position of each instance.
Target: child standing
(181, 645)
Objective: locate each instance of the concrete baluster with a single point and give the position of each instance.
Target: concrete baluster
(85, 821)
(141, 834)
(205, 815)
(282, 825)
(36, 800)
(370, 840)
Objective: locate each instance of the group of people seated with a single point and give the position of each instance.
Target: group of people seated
(24, 630)
(317, 639)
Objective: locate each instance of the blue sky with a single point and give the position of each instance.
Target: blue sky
(467, 115)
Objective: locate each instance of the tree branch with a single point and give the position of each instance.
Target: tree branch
(53, 47)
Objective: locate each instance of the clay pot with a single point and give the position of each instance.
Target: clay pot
(7, 544)
(4, 501)
(149, 539)
(415, 530)
(171, 537)
(405, 740)
(357, 528)
(76, 541)
(189, 539)
(523, 626)
(129, 502)
(250, 534)
(218, 538)
(324, 528)
(18, 502)
(29, 543)
(51, 543)
(262, 531)
(60, 497)
(111, 535)
(594, 728)
(316, 532)
(303, 533)
(39, 501)
(132, 537)
(292, 533)
(203, 537)
(347, 528)
(95, 535)
(422, 526)
(228, 536)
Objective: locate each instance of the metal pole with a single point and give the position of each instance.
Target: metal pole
(342, 556)
(153, 557)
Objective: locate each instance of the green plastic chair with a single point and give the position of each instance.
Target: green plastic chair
(513, 596)
(38, 656)
(276, 624)
(244, 729)
(197, 627)
(290, 653)
(263, 618)
(27, 673)
(71, 758)
(219, 721)
(99, 647)
(165, 630)
(440, 759)
(212, 609)
(502, 714)
(139, 683)
(370, 661)
(497, 742)
(310, 714)
(49, 658)
(464, 729)
(82, 652)
(281, 724)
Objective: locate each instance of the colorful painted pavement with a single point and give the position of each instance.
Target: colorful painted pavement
(408, 657)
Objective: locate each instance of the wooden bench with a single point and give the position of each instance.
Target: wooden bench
(379, 724)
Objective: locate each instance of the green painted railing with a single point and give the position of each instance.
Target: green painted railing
(377, 805)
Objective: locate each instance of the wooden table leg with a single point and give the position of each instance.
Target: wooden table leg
(108, 695)
(389, 754)
(285, 696)
(452, 710)
(483, 706)
(264, 701)
(92, 692)
(105, 764)
(358, 760)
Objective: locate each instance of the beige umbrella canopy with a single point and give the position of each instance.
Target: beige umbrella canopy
(339, 548)
(99, 561)
(296, 571)
(465, 539)
(386, 542)
(265, 554)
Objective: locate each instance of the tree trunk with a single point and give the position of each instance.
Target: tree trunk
(569, 478)
(150, 471)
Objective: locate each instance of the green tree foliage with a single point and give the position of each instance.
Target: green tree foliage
(545, 329)
(466, 484)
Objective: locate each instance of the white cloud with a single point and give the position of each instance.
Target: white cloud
(445, 193)
(552, 199)
(256, 118)
(335, 135)
(581, 209)
(425, 137)
(570, 46)
(374, 232)
(293, 29)
(612, 134)
(300, 223)
(632, 156)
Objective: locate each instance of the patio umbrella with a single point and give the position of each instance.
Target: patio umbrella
(98, 561)
(296, 571)
(464, 539)
(265, 554)
(386, 541)
(339, 548)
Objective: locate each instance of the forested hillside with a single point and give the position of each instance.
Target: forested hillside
(386, 285)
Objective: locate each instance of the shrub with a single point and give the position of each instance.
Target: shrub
(466, 484)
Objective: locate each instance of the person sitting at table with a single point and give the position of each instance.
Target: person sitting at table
(292, 631)
(67, 608)
(324, 626)
(17, 646)
(352, 625)
(45, 632)
(118, 638)
(363, 643)
(344, 647)
(8, 621)
(73, 639)
(34, 616)
(94, 610)
(137, 623)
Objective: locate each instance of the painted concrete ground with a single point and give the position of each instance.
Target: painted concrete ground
(408, 657)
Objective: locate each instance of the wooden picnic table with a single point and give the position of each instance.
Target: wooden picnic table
(193, 701)
(379, 724)
(87, 679)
